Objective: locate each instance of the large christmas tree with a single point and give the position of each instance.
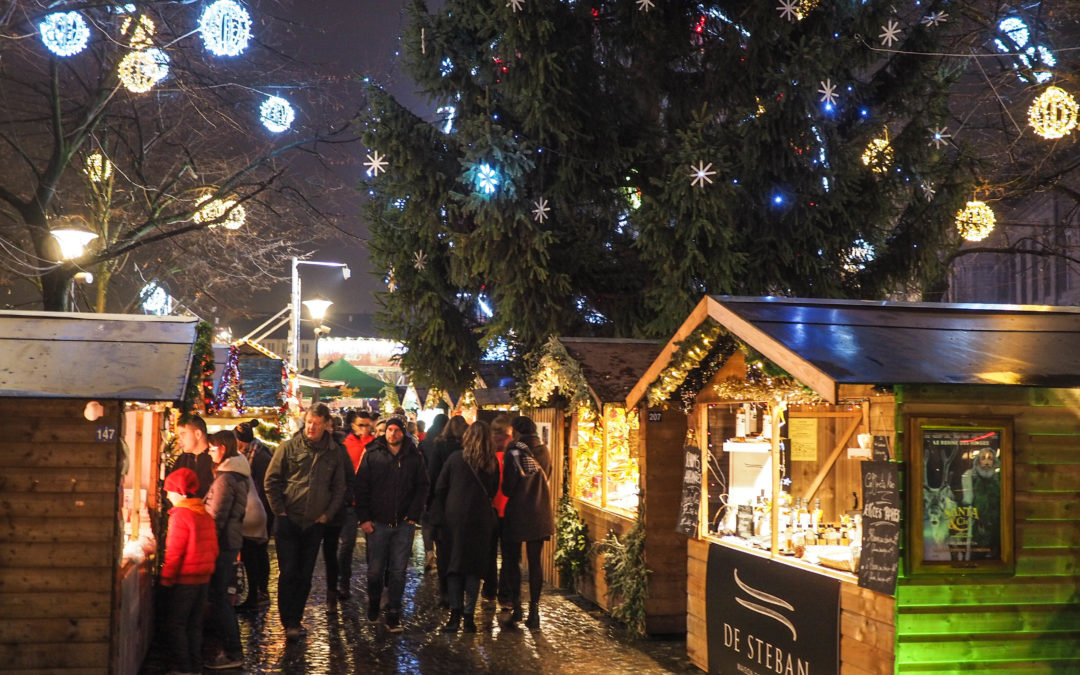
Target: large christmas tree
(597, 167)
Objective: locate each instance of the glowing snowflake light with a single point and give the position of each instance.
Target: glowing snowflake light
(225, 27)
(420, 260)
(140, 71)
(828, 92)
(64, 33)
(98, 167)
(211, 209)
(375, 163)
(276, 114)
(540, 213)
(487, 179)
(890, 33)
(939, 137)
(699, 174)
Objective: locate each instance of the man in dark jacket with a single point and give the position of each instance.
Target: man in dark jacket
(391, 490)
(191, 433)
(305, 484)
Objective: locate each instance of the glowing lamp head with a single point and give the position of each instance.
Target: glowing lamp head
(317, 308)
(72, 241)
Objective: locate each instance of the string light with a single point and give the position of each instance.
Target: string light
(211, 209)
(225, 27)
(139, 71)
(64, 33)
(141, 34)
(878, 155)
(975, 221)
(1053, 114)
(276, 114)
(98, 168)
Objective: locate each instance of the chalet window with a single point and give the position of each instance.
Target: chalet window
(606, 471)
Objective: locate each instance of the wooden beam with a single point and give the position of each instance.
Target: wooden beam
(774, 350)
(857, 419)
(697, 316)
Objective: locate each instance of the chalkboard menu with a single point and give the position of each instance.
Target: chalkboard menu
(880, 527)
(881, 449)
(691, 492)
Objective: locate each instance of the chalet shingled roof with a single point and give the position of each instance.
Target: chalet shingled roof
(611, 366)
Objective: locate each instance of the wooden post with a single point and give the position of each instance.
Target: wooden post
(775, 412)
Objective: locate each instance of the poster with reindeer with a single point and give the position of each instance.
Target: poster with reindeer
(963, 509)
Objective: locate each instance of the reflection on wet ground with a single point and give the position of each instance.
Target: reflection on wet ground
(574, 637)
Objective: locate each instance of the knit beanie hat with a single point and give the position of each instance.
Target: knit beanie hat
(399, 422)
(183, 480)
(245, 433)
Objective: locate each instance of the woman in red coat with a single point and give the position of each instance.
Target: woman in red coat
(191, 551)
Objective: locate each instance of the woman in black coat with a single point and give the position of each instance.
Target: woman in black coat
(466, 520)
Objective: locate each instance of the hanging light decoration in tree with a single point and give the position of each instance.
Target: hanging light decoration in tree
(975, 221)
(276, 114)
(140, 31)
(486, 179)
(878, 155)
(98, 168)
(139, 71)
(64, 33)
(211, 209)
(1053, 114)
(225, 27)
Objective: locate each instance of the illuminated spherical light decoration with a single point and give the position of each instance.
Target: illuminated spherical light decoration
(975, 221)
(804, 7)
(225, 27)
(1053, 114)
(98, 167)
(138, 31)
(211, 209)
(140, 71)
(64, 33)
(878, 155)
(276, 114)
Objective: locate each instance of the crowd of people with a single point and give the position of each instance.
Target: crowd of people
(476, 492)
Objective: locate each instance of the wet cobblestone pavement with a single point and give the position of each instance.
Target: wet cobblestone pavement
(574, 637)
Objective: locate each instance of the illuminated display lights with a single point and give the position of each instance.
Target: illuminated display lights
(211, 209)
(276, 114)
(225, 27)
(975, 221)
(878, 154)
(64, 33)
(98, 167)
(141, 33)
(140, 71)
(1053, 114)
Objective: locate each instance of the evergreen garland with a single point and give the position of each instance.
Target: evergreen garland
(551, 371)
(627, 576)
(571, 543)
(200, 384)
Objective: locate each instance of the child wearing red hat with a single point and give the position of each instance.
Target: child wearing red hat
(191, 551)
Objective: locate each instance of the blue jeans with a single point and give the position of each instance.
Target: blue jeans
(388, 549)
(297, 551)
(184, 626)
(347, 548)
(222, 614)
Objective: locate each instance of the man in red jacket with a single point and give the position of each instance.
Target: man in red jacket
(191, 551)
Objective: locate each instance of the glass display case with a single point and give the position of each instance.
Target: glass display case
(606, 469)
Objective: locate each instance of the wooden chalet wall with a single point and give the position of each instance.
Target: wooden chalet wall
(1030, 621)
(665, 549)
(59, 536)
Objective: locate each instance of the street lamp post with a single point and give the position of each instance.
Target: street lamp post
(317, 309)
(294, 305)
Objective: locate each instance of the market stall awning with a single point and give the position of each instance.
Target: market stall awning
(828, 343)
(101, 356)
(312, 382)
(354, 378)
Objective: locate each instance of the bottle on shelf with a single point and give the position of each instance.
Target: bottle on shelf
(815, 516)
(740, 423)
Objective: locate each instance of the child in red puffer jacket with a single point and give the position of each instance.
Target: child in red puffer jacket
(191, 551)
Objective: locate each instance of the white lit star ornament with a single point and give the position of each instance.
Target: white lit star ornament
(376, 163)
(225, 27)
(420, 260)
(645, 5)
(939, 137)
(890, 33)
(540, 213)
(789, 9)
(276, 114)
(700, 174)
(934, 18)
(828, 92)
(516, 4)
(64, 33)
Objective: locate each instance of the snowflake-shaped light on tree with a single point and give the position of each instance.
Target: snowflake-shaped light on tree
(928, 191)
(375, 163)
(890, 33)
(98, 168)
(699, 174)
(828, 92)
(64, 33)
(211, 209)
(276, 114)
(487, 179)
(934, 18)
(939, 137)
(420, 260)
(516, 4)
(225, 27)
(540, 213)
(645, 5)
(789, 9)
(139, 71)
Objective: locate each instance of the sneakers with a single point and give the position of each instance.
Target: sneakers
(293, 633)
(393, 623)
(224, 662)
